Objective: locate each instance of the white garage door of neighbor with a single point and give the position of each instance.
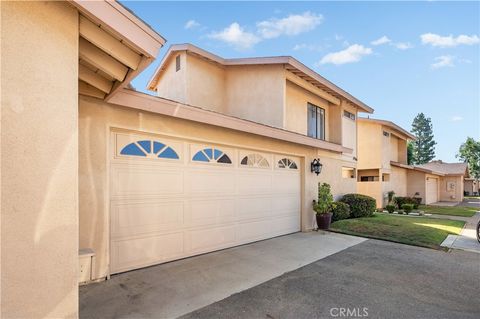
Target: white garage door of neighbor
(171, 198)
(432, 190)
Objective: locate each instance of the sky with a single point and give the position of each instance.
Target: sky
(400, 58)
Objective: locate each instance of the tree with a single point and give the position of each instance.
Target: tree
(409, 152)
(424, 145)
(469, 152)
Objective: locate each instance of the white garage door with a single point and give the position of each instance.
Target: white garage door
(172, 198)
(432, 190)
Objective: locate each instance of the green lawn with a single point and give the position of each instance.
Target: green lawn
(418, 231)
(474, 197)
(454, 211)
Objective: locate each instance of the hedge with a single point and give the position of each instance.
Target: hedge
(360, 205)
(415, 201)
(340, 211)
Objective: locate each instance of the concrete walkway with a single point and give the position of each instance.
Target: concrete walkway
(445, 204)
(467, 240)
(176, 288)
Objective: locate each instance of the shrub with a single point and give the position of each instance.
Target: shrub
(390, 208)
(325, 199)
(360, 205)
(390, 194)
(407, 208)
(340, 211)
(415, 201)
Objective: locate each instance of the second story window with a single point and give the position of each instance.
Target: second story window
(316, 122)
(177, 63)
(349, 115)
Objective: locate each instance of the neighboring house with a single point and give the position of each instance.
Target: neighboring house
(382, 157)
(138, 179)
(444, 181)
(471, 186)
(382, 167)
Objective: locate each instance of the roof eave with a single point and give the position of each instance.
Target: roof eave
(145, 102)
(123, 23)
(152, 83)
(390, 124)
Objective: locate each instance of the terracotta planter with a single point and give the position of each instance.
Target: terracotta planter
(324, 221)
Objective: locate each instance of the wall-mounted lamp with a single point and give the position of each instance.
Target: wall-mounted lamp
(316, 166)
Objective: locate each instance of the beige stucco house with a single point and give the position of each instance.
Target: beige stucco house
(222, 157)
(382, 167)
(382, 159)
(436, 181)
(471, 186)
(238, 167)
(447, 178)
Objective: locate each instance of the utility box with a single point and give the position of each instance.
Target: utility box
(86, 258)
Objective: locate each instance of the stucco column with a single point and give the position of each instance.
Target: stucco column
(39, 161)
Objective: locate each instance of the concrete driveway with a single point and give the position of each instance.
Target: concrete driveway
(386, 280)
(176, 288)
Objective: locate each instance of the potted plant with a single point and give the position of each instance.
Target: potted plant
(323, 206)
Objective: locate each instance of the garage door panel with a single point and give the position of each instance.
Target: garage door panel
(139, 181)
(140, 251)
(253, 184)
(251, 208)
(285, 204)
(431, 191)
(211, 212)
(208, 181)
(286, 183)
(212, 238)
(162, 210)
(267, 228)
(285, 225)
(133, 218)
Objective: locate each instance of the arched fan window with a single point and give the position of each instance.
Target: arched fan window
(287, 163)
(255, 160)
(211, 155)
(148, 148)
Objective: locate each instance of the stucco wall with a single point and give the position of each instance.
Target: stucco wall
(205, 84)
(349, 130)
(173, 84)
(256, 93)
(402, 151)
(335, 127)
(369, 145)
(416, 182)
(398, 181)
(386, 149)
(96, 117)
(296, 108)
(39, 208)
(372, 189)
(448, 195)
(393, 155)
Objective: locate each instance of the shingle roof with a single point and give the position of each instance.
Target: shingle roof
(446, 168)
